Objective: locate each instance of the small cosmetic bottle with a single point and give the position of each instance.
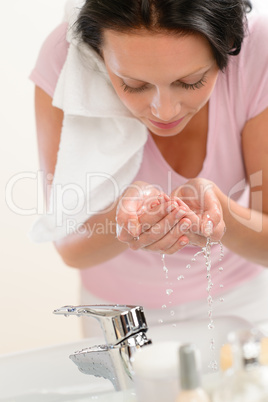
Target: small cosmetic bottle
(247, 379)
(190, 375)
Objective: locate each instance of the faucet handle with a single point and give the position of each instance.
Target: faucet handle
(118, 322)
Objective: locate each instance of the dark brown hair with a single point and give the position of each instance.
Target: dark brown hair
(221, 22)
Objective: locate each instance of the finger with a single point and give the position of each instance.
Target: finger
(197, 240)
(129, 211)
(178, 245)
(213, 215)
(156, 215)
(218, 231)
(162, 235)
(123, 234)
(213, 225)
(134, 226)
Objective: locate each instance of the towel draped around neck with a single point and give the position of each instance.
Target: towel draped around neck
(101, 144)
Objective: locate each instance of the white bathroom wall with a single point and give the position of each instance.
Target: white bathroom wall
(261, 5)
(33, 279)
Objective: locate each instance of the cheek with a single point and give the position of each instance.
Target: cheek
(135, 103)
(202, 96)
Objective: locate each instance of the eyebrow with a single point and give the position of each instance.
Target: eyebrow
(185, 76)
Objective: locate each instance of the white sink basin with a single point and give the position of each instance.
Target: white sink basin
(48, 375)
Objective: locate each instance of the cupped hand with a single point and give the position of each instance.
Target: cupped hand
(149, 219)
(200, 195)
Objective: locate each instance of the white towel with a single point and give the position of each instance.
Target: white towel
(101, 145)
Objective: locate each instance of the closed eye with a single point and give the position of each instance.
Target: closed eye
(129, 89)
(197, 85)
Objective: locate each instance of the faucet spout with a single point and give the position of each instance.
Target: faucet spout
(124, 328)
(118, 322)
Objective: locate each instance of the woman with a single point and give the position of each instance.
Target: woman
(183, 87)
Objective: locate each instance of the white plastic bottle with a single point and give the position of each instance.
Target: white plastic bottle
(190, 376)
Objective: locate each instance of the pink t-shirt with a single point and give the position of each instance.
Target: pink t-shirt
(241, 92)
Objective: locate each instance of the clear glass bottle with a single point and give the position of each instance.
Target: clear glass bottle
(247, 379)
(190, 375)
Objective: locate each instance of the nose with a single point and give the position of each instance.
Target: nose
(165, 105)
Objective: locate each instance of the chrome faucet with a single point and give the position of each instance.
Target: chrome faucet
(124, 329)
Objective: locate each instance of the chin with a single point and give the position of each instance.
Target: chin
(165, 133)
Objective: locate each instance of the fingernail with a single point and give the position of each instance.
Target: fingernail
(163, 198)
(209, 228)
(171, 208)
(185, 226)
(154, 204)
(180, 213)
(183, 243)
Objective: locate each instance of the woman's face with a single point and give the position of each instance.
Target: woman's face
(164, 80)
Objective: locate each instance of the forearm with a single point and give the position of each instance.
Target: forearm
(247, 230)
(94, 244)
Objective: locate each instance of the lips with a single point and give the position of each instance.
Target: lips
(166, 126)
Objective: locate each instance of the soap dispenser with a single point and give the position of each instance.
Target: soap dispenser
(247, 379)
(190, 375)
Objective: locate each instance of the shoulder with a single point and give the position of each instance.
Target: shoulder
(254, 65)
(257, 25)
(50, 60)
(254, 47)
(247, 73)
(256, 35)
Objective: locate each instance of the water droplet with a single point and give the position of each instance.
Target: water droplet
(160, 321)
(213, 365)
(221, 299)
(165, 269)
(210, 285)
(207, 254)
(210, 300)
(174, 325)
(169, 292)
(212, 344)
(198, 253)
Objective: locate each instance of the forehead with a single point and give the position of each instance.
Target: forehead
(143, 50)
